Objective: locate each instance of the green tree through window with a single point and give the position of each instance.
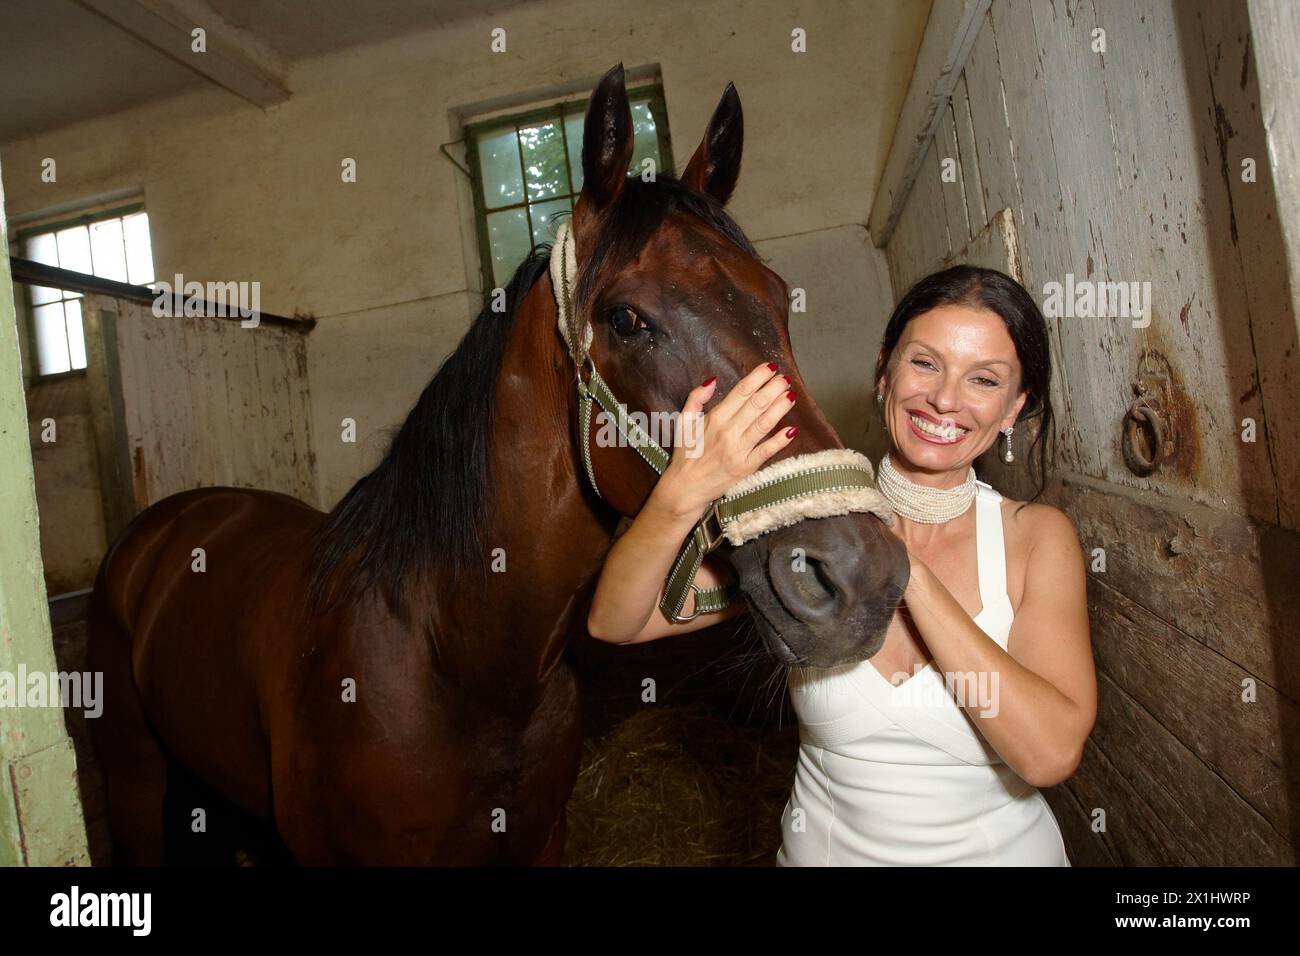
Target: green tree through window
(527, 171)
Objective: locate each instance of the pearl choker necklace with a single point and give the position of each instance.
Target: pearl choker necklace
(921, 503)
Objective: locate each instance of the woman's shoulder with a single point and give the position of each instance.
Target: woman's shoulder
(1036, 522)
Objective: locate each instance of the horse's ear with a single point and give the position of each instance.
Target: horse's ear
(715, 167)
(607, 141)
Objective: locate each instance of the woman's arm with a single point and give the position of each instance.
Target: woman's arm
(623, 585)
(1036, 702)
(732, 443)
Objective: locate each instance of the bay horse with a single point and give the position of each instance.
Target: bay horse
(385, 684)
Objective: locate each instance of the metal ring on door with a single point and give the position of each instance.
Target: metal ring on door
(1142, 418)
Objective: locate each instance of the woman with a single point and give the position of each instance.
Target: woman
(931, 752)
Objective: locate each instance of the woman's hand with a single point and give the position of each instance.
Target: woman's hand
(730, 442)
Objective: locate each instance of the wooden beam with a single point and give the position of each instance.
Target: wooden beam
(28, 272)
(949, 36)
(994, 247)
(234, 59)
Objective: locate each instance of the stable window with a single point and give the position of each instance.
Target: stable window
(111, 245)
(527, 170)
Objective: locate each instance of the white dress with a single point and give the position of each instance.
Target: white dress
(899, 775)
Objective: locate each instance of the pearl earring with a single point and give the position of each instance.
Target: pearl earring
(1008, 457)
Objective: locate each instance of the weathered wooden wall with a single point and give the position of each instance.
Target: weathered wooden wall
(197, 402)
(1127, 166)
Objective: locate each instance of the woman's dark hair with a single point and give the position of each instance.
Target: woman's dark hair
(1005, 297)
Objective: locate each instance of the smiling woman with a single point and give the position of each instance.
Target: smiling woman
(930, 752)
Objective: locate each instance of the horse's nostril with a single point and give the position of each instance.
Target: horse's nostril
(812, 589)
(816, 582)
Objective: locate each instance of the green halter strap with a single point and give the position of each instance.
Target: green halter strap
(681, 578)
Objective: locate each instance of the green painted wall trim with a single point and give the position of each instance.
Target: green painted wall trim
(41, 822)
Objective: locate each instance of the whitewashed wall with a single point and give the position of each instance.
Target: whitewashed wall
(1120, 166)
(389, 264)
(68, 494)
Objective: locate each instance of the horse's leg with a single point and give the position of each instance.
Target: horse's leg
(130, 757)
(553, 853)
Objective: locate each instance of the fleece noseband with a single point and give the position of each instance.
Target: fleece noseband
(820, 484)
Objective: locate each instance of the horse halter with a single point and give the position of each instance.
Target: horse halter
(834, 481)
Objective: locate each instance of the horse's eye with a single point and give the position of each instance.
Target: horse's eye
(625, 322)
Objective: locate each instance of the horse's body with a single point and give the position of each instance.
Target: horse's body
(238, 688)
(424, 713)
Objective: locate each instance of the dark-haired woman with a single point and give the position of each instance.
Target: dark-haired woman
(931, 752)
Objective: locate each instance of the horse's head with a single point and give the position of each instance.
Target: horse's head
(675, 293)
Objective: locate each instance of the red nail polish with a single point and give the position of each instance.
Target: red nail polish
(792, 431)
(773, 366)
(709, 381)
(787, 379)
(790, 395)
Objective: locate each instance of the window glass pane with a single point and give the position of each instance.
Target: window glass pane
(51, 340)
(543, 148)
(551, 154)
(139, 252)
(42, 249)
(74, 249)
(646, 145)
(45, 249)
(41, 295)
(76, 335)
(106, 250)
(498, 160)
(543, 218)
(508, 235)
(117, 249)
(108, 254)
(573, 132)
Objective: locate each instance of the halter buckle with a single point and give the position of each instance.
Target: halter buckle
(712, 537)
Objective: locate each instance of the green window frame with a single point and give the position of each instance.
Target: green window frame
(515, 221)
(38, 297)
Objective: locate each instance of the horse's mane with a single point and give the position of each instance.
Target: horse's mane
(424, 503)
(424, 506)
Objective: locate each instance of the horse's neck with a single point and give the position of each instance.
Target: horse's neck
(551, 541)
